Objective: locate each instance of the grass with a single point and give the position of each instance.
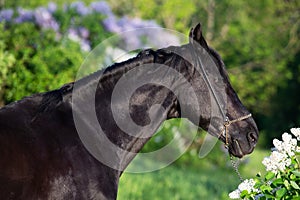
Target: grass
(186, 182)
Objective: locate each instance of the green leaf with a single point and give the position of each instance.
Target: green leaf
(280, 193)
(270, 175)
(269, 196)
(295, 185)
(257, 185)
(277, 182)
(244, 193)
(297, 173)
(293, 177)
(266, 188)
(286, 183)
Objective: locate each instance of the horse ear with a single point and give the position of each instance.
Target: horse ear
(196, 36)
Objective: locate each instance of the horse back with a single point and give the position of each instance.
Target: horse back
(42, 157)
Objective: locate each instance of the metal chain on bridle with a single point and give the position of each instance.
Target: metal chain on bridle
(227, 122)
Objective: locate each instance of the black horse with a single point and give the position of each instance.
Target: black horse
(42, 156)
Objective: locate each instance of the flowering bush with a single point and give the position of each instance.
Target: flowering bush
(49, 43)
(87, 25)
(282, 180)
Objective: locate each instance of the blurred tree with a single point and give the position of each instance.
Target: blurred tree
(259, 44)
(7, 60)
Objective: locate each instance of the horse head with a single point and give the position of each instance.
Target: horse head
(221, 113)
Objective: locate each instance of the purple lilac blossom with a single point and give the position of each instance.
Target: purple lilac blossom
(85, 45)
(111, 24)
(132, 42)
(80, 8)
(115, 25)
(139, 23)
(140, 29)
(161, 38)
(45, 19)
(101, 7)
(74, 35)
(6, 15)
(24, 16)
(83, 32)
(52, 7)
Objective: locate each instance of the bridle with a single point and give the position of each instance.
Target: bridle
(227, 122)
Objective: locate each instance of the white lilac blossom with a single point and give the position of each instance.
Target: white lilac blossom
(247, 184)
(276, 162)
(280, 158)
(235, 194)
(289, 144)
(296, 132)
(281, 162)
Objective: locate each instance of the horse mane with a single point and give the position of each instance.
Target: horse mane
(54, 98)
(219, 63)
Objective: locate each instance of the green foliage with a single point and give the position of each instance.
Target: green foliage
(44, 59)
(283, 185)
(92, 22)
(7, 60)
(282, 180)
(192, 179)
(258, 46)
(179, 132)
(177, 183)
(34, 3)
(42, 62)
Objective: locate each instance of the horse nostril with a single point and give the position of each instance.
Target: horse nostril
(252, 137)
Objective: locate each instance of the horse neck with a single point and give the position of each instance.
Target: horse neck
(125, 120)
